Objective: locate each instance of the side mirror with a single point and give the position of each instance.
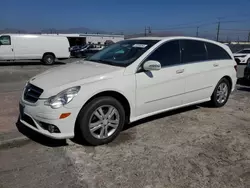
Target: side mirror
(152, 65)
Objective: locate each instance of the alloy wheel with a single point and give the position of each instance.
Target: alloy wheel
(104, 121)
(222, 93)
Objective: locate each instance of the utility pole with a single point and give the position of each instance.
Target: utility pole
(145, 32)
(218, 31)
(149, 30)
(248, 37)
(197, 31)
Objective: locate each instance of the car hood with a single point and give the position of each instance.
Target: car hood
(74, 72)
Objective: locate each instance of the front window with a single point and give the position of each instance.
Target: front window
(5, 40)
(122, 53)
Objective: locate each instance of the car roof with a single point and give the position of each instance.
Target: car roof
(173, 37)
(30, 35)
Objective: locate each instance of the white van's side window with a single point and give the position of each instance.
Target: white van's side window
(5, 40)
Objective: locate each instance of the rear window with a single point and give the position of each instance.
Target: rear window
(215, 52)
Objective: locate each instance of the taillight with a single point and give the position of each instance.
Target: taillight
(235, 67)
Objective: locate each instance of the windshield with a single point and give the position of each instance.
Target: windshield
(122, 53)
(244, 52)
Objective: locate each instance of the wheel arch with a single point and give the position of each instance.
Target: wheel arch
(109, 93)
(49, 53)
(229, 79)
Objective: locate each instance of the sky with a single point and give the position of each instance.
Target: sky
(129, 16)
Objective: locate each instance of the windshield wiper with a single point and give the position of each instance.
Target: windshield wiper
(102, 61)
(106, 62)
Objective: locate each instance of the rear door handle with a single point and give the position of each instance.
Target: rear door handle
(216, 65)
(179, 71)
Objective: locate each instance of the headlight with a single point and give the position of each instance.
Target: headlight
(62, 98)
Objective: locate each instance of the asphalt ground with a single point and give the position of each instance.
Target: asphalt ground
(194, 147)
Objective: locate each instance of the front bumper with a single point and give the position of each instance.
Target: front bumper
(38, 117)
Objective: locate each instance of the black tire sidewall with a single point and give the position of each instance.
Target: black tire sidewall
(214, 97)
(86, 113)
(48, 56)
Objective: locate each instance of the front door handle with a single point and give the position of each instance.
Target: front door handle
(216, 65)
(179, 71)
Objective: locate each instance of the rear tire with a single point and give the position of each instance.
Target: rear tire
(101, 120)
(48, 59)
(221, 93)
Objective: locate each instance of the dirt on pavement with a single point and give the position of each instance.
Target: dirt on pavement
(192, 147)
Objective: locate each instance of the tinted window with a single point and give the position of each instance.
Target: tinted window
(193, 51)
(122, 53)
(216, 52)
(167, 54)
(5, 40)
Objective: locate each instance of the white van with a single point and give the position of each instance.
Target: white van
(33, 47)
(125, 82)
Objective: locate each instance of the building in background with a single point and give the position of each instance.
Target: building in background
(82, 39)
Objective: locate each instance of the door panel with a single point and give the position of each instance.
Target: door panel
(199, 81)
(162, 89)
(204, 65)
(197, 70)
(6, 48)
(158, 90)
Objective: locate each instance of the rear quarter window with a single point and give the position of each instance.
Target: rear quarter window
(216, 52)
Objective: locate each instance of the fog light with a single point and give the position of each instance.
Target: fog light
(51, 128)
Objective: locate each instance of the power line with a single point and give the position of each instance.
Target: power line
(243, 30)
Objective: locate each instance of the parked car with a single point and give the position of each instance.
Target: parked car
(86, 51)
(125, 82)
(74, 51)
(242, 56)
(76, 47)
(108, 42)
(33, 47)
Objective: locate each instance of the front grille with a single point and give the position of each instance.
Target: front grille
(32, 93)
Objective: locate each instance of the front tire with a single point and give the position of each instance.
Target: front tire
(49, 59)
(221, 93)
(101, 120)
